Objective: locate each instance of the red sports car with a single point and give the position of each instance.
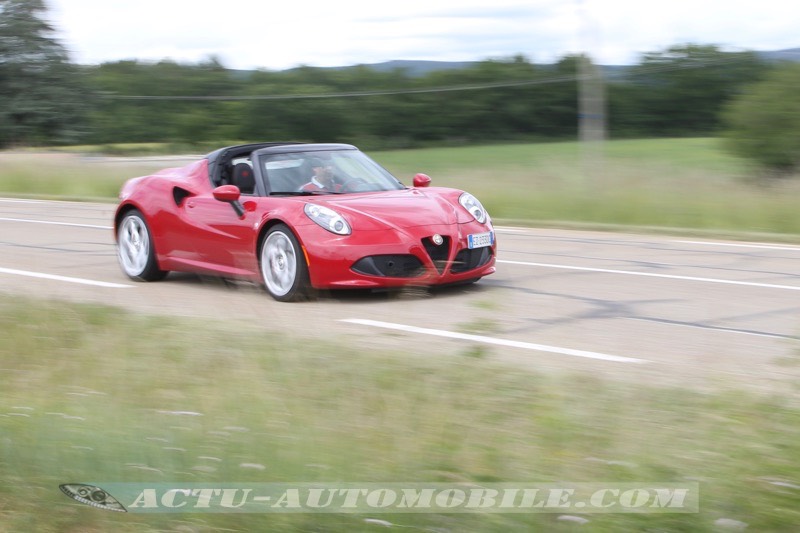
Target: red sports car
(298, 217)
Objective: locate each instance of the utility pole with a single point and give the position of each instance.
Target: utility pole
(591, 104)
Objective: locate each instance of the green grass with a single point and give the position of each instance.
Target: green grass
(666, 183)
(84, 390)
(67, 176)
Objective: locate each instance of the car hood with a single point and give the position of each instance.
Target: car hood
(399, 209)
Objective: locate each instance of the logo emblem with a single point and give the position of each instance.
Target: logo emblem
(91, 495)
(437, 239)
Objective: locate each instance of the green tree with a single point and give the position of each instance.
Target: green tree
(763, 124)
(680, 91)
(41, 98)
(142, 102)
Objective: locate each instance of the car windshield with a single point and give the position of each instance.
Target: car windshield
(325, 172)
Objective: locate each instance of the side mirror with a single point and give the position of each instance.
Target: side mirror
(230, 194)
(227, 193)
(422, 180)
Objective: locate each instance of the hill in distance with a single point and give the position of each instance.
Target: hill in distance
(421, 68)
(418, 68)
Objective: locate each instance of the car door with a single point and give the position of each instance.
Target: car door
(221, 240)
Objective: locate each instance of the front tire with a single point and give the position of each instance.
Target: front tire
(135, 250)
(283, 265)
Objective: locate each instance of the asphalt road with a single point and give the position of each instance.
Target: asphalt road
(665, 310)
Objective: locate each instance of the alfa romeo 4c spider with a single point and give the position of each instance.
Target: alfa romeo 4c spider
(299, 217)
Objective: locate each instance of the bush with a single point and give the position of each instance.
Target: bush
(763, 124)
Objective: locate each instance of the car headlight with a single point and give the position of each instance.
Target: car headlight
(471, 204)
(328, 219)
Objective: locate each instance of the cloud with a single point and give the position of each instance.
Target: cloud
(278, 35)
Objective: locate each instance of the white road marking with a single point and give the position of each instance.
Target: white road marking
(741, 245)
(509, 229)
(651, 275)
(67, 279)
(491, 340)
(5, 219)
(32, 201)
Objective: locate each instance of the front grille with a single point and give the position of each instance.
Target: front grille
(390, 266)
(470, 259)
(437, 253)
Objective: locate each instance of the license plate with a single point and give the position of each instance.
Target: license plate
(480, 240)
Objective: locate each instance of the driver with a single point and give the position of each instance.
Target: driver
(322, 180)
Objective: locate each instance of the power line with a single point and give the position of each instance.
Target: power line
(642, 71)
(343, 95)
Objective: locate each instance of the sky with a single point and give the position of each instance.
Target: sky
(279, 34)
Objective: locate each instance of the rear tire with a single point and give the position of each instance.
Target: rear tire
(283, 265)
(135, 250)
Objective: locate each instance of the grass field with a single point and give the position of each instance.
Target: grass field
(668, 183)
(91, 393)
(665, 183)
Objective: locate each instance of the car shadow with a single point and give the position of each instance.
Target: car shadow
(351, 296)
(368, 296)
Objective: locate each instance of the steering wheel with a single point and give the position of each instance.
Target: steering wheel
(353, 185)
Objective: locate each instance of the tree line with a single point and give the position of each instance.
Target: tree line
(686, 90)
(677, 92)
